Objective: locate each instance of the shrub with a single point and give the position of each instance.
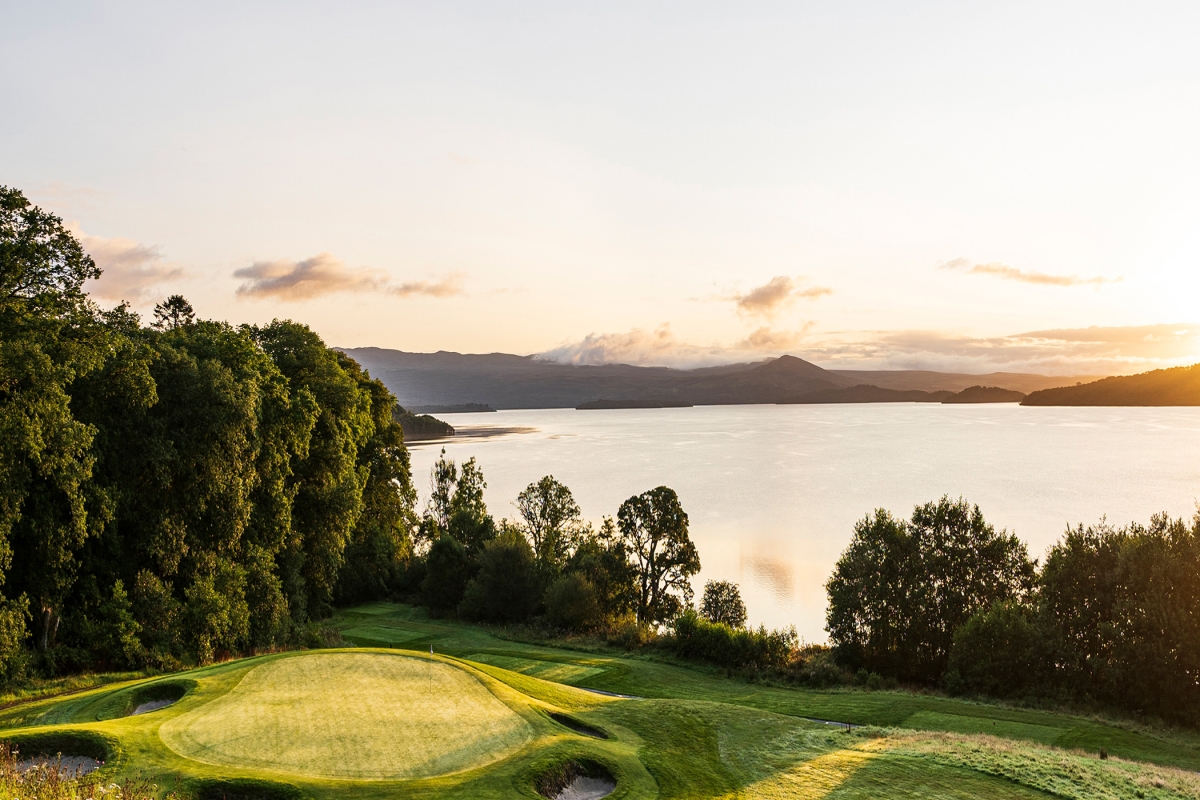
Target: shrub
(631, 634)
(737, 648)
(816, 665)
(571, 603)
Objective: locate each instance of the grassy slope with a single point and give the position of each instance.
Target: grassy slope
(697, 735)
(646, 678)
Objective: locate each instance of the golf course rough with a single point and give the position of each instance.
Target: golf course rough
(359, 716)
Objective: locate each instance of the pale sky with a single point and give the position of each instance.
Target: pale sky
(876, 185)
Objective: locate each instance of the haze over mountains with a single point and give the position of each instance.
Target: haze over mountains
(510, 381)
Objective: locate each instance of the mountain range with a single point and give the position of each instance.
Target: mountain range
(509, 381)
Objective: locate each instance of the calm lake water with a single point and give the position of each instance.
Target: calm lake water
(773, 492)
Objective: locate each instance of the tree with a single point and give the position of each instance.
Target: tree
(603, 559)
(654, 528)
(447, 571)
(470, 523)
(900, 591)
(381, 542)
(723, 603)
(505, 589)
(327, 478)
(172, 313)
(443, 479)
(572, 603)
(997, 652)
(552, 520)
(50, 336)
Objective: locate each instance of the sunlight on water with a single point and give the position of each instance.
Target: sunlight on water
(773, 491)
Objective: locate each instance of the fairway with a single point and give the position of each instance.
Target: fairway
(349, 715)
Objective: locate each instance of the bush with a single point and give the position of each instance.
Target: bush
(627, 632)
(816, 665)
(505, 589)
(571, 603)
(736, 648)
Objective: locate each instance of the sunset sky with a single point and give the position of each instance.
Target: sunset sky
(936, 185)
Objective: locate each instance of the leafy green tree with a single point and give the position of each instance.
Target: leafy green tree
(603, 559)
(722, 602)
(172, 313)
(327, 479)
(447, 570)
(1079, 593)
(873, 602)
(50, 335)
(443, 479)
(218, 616)
(998, 652)
(654, 528)
(456, 506)
(382, 541)
(469, 521)
(573, 603)
(551, 519)
(505, 589)
(900, 591)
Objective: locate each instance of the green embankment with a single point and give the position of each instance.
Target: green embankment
(474, 721)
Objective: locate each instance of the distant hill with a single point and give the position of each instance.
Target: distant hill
(1162, 387)
(864, 393)
(499, 380)
(604, 403)
(985, 394)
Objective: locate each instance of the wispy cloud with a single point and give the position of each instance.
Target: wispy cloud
(998, 270)
(132, 271)
(325, 274)
(1068, 351)
(774, 295)
(660, 348)
(1095, 350)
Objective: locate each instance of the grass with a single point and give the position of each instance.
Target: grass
(474, 721)
(320, 715)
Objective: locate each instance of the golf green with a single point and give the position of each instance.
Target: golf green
(355, 716)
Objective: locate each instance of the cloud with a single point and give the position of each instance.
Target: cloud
(325, 274)
(131, 271)
(773, 295)
(1013, 274)
(660, 348)
(1067, 351)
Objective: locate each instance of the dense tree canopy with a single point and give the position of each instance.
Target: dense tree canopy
(901, 590)
(172, 492)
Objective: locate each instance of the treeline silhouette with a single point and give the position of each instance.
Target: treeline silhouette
(1112, 619)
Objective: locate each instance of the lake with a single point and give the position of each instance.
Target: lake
(773, 492)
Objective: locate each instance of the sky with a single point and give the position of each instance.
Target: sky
(968, 187)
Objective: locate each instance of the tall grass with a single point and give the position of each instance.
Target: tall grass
(53, 780)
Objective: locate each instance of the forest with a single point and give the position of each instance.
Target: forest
(185, 490)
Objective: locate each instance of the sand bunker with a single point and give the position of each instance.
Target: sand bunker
(351, 715)
(153, 705)
(585, 788)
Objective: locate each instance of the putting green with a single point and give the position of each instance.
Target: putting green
(350, 715)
